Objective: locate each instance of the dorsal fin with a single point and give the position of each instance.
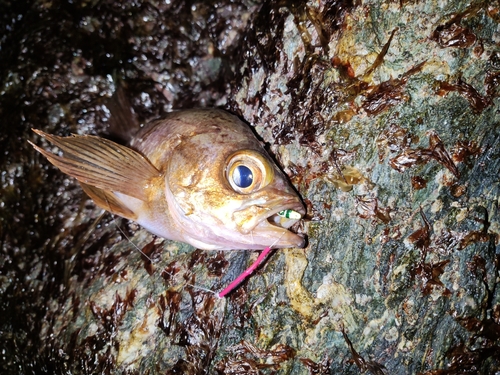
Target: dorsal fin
(123, 121)
(101, 163)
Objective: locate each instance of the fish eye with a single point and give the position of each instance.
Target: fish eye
(242, 176)
(248, 171)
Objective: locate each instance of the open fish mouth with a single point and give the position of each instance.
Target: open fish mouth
(285, 218)
(271, 226)
(278, 223)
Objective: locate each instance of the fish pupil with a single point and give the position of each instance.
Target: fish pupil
(242, 176)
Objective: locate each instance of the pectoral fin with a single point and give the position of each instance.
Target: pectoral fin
(102, 164)
(108, 201)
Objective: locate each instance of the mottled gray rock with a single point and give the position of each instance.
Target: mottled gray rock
(383, 114)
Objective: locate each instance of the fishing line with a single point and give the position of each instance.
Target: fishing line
(236, 282)
(144, 254)
(129, 240)
(151, 260)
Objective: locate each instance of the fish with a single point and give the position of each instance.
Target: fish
(199, 176)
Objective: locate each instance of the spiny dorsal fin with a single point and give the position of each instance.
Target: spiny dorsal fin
(101, 163)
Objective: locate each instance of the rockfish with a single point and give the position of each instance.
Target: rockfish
(196, 176)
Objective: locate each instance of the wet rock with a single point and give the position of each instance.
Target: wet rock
(384, 116)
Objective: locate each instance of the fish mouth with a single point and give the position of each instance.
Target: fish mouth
(264, 222)
(286, 216)
(277, 223)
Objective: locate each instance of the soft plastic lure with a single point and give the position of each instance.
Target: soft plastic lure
(289, 214)
(246, 273)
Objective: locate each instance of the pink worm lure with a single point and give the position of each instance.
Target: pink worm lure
(245, 273)
(289, 214)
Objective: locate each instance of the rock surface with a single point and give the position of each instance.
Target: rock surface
(384, 114)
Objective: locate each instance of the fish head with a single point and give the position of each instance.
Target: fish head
(226, 191)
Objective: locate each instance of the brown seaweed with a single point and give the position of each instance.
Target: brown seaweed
(418, 182)
(428, 273)
(394, 139)
(452, 34)
(317, 368)
(389, 93)
(380, 57)
(373, 367)
(463, 151)
(149, 252)
(477, 101)
(369, 208)
(217, 265)
(247, 358)
(436, 151)
(168, 303)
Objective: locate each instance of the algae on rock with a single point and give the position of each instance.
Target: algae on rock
(384, 114)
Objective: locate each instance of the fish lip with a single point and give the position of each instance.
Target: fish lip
(284, 236)
(258, 220)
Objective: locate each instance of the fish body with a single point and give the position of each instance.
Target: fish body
(197, 176)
